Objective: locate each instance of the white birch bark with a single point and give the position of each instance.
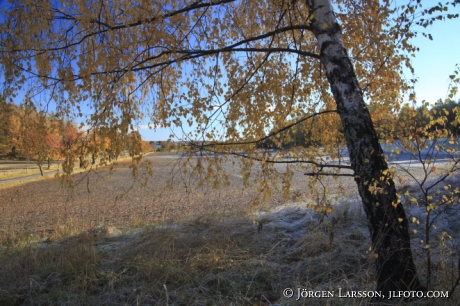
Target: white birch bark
(387, 222)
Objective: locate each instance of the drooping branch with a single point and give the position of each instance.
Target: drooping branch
(187, 55)
(195, 54)
(269, 161)
(297, 161)
(230, 48)
(188, 8)
(329, 173)
(200, 147)
(67, 17)
(287, 127)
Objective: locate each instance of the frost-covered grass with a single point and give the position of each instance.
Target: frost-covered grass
(193, 246)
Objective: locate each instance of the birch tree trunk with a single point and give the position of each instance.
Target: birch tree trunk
(387, 220)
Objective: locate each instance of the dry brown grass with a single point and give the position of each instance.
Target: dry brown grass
(46, 208)
(180, 246)
(9, 174)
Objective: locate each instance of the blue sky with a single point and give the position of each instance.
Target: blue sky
(436, 59)
(433, 65)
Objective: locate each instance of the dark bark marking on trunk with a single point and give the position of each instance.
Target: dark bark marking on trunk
(387, 220)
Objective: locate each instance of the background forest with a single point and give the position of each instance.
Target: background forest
(278, 103)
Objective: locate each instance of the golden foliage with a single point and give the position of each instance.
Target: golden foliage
(230, 72)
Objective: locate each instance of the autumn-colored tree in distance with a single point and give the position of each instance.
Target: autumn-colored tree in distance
(239, 72)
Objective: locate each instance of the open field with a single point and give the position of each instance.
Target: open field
(115, 198)
(13, 169)
(111, 241)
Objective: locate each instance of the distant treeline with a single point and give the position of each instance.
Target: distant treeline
(439, 120)
(28, 134)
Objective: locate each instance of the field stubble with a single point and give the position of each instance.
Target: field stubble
(186, 245)
(114, 197)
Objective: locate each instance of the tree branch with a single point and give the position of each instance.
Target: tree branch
(201, 148)
(269, 135)
(328, 174)
(191, 7)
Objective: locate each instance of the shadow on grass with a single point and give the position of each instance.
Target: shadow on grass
(204, 261)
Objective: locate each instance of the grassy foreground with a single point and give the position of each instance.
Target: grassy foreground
(209, 248)
(195, 263)
(201, 262)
